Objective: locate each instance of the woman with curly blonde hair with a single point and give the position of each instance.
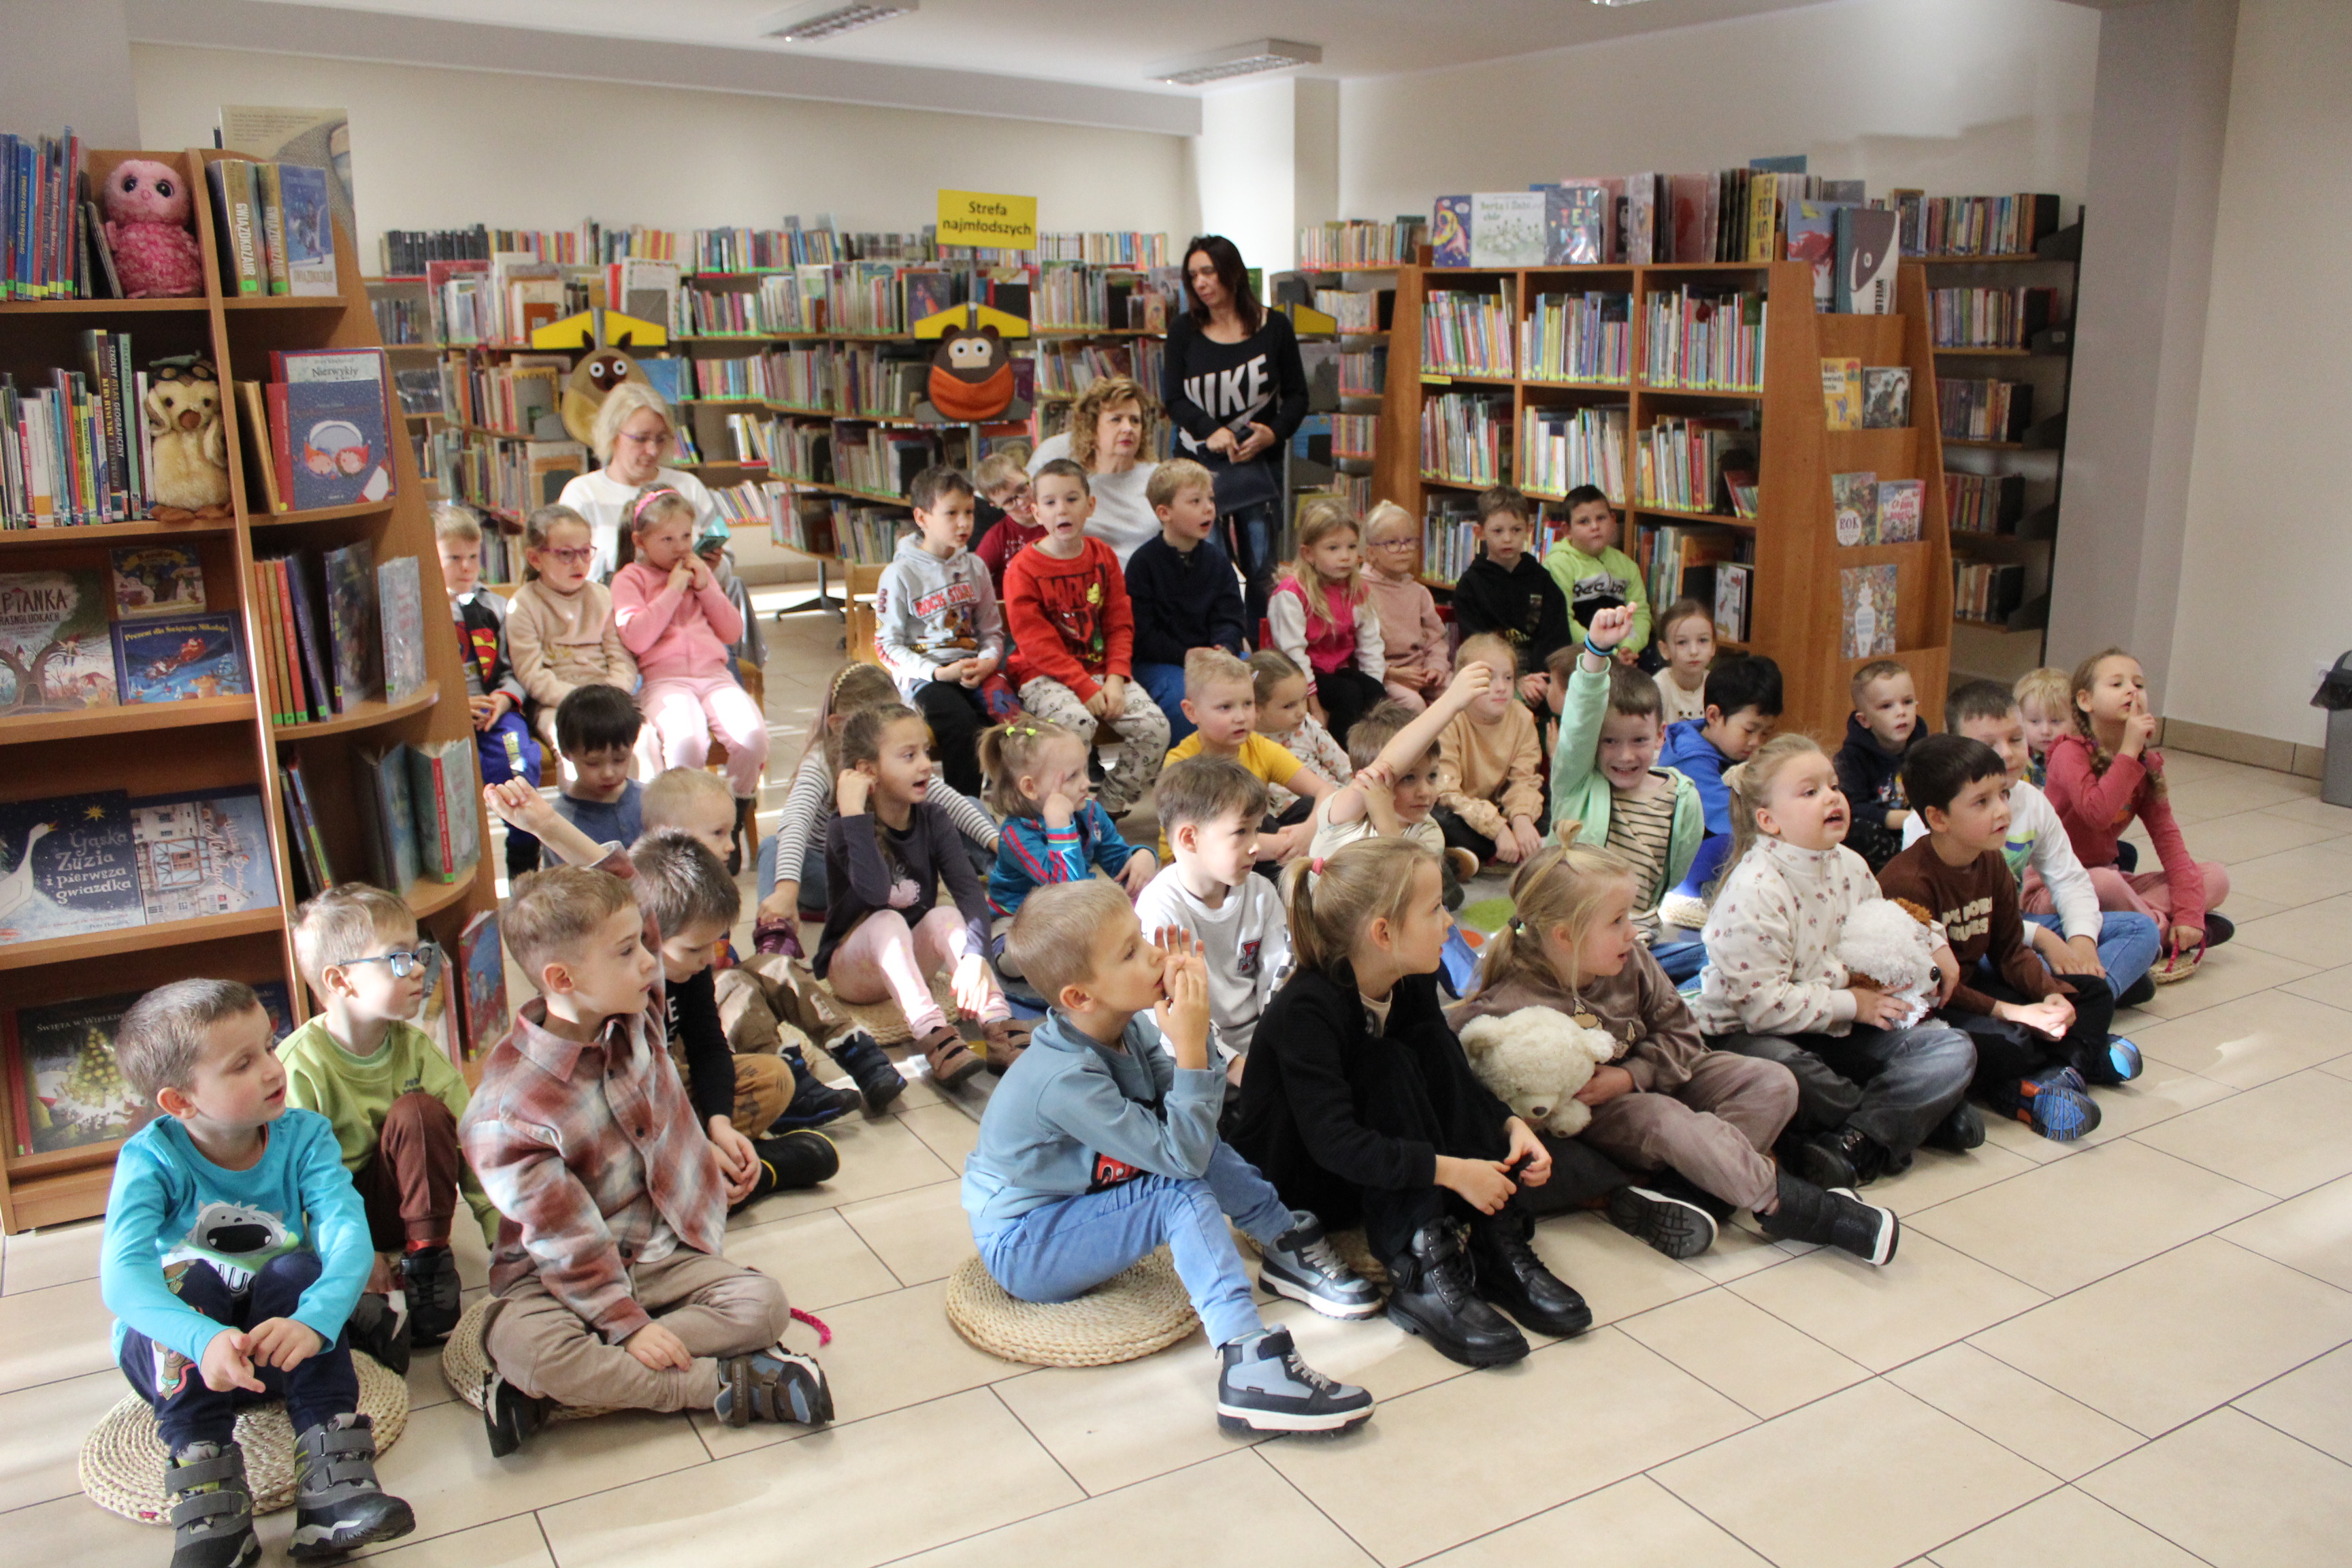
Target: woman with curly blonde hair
(1112, 436)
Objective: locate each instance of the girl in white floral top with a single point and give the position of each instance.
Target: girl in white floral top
(1281, 717)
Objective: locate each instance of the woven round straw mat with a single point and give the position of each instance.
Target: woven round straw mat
(1123, 1319)
(122, 1459)
(464, 1361)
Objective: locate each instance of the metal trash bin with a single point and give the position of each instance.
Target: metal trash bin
(2335, 694)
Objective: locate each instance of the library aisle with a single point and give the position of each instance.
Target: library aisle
(2084, 1353)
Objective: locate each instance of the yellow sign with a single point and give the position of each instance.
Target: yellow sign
(978, 217)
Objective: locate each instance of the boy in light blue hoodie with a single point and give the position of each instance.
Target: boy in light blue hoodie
(1101, 1145)
(1743, 701)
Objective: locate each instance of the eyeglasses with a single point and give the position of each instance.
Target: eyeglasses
(1012, 498)
(1405, 543)
(403, 965)
(579, 557)
(650, 438)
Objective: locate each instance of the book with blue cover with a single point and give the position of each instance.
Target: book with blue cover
(310, 228)
(157, 580)
(337, 443)
(1449, 232)
(68, 867)
(174, 659)
(203, 853)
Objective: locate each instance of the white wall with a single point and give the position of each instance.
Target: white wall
(1955, 96)
(433, 148)
(1244, 170)
(2266, 576)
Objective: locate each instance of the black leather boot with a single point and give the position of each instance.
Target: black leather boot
(1431, 1295)
(1509, 1273)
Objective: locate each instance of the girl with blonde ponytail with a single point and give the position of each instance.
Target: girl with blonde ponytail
(1870, 1090)
(1702, 1120)
(1357, 1104)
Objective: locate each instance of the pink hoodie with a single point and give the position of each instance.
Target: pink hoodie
(673, 634)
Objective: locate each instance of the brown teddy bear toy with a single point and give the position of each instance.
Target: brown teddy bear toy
(190, 477)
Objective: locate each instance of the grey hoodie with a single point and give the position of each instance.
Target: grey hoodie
(1075, 1116)
(928, 612)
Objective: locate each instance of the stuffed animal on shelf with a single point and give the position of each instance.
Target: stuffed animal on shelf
(1535, 1061)
(190, 477)
(1887, 946)
(148, 228)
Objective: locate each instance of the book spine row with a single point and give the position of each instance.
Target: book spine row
(1354, 435)
(1982, 591)
(1340, 245)
(1975, 226)
(78, 452)
(1579, 338)
(1989, 318)
(1563, 448)
(1466, 334)
(1984, 503)
(1362, 373)
(44, 238)
(1462, 438)
(1983, 410)
(1704, 339)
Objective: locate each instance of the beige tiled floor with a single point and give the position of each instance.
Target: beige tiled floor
(2136, 1351)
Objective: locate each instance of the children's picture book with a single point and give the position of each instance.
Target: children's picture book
(1865, 261)
(1576, 225)
(1812, 236)
(1449, 232)
(1855, 498)
(1886, 396)
(1506, 228)
(1866, 602)
(279, 1005)
(481, 960)
(310, 228)
(67, 867)
(400, 603)
(1902, 505)
(388, 807)
(66, 1089)
(1731, 598)
(157, 580)
(188, 655)
(337, 448)
(1842, 393)
(445, 780)
(204, 853)
(353, 637)
(55, 655)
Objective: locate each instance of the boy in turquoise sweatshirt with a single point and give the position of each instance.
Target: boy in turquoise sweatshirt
(1596, 575)
(235, 1247)
(1101, 1145)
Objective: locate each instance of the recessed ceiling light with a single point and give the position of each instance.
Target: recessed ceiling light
(1616, 2)
(1237, 59)
(814, 24)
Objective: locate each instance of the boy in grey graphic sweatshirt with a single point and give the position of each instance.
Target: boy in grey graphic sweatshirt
(936, 626)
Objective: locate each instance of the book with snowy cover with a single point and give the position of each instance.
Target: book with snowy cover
(1506, 228)
(1866, 607)
(400, 604)
(204, 853)
(66, 1089)
(157, 580)
(55, 653)
(67, 867)
(172, 661)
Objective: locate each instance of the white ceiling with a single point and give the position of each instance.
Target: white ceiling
(1105, 43)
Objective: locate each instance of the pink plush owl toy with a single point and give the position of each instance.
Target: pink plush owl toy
(147, 227)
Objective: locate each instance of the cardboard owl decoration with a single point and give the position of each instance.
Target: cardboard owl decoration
(600, 337)
(972, 379)
(592, 380)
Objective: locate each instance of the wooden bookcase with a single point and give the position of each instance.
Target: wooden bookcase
(1795, 607)
(209, 743)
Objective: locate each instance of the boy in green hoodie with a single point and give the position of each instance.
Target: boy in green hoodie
(1596, 575)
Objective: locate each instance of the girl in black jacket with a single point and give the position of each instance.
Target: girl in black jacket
(1358, 1100)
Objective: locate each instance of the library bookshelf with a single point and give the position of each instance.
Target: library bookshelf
(209, 743)
(1796, 611)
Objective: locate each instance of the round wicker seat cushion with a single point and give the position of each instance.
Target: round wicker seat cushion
(464, 1361)
(1125, 1317)
(122, 1459)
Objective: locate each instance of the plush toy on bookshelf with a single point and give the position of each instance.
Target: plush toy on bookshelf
(151, 231)
(191, 451)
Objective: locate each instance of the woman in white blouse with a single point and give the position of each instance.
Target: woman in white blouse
(634, 432)
(1111, 428)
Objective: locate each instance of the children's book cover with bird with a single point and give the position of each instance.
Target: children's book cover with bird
(68, 867)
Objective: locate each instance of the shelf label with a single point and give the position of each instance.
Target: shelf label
(985, 218)
(1429, 380)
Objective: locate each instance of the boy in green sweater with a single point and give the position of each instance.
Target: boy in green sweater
(1596, 575)
(393, 1099)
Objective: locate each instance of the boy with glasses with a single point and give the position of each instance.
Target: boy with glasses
(393, 1100)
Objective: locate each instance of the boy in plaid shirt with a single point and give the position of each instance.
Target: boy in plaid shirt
(609, 1284)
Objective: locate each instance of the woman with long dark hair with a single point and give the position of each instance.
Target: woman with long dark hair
(1237, 391)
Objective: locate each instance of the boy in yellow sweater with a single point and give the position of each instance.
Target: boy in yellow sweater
(393, 1098)
(1489, 791)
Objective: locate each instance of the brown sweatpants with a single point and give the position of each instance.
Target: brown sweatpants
(716, 1308)
(1713, 1129)
(410, 1188)
(764, 1090)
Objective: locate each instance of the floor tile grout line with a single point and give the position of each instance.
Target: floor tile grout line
(1929, 1555)
(2265, 1257)
(1085, 1493)
(2294, 1437)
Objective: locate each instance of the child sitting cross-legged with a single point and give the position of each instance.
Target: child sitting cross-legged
(391, 1097)
(937, 627)
(1052, 829)
(1101, 1145)
(609, 1284)
(2039, 1037)
(596, 729)
(1872, 1085)
(1321, 616)
(1878, 734)
(1221, 698)
(886, 855)
(1489, 791)
(1605, 775)
(1707, 1119)
(1281, 717)
(1743, 703)
(1394, 787)
(1686, 643)
(235, 1247)
(1360, 1106)
(1182, 587)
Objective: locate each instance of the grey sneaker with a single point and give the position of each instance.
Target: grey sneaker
(772, 1384)
(337, 1503)
(212, 1508)
(1265, 1388)
(1302, 1263)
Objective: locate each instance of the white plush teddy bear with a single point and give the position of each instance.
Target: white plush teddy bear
(1535, 1061)
(1887, 946)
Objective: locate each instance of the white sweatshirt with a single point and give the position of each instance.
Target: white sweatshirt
(928, 612)
(1771, 968)
(1244, 940)
(2037, 838)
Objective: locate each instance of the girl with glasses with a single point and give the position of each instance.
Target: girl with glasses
(561, 632)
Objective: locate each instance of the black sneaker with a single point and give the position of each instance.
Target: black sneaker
(2219, 929)
(338, 1505)
(212, 1506)
(379, 1331)
(798, 1159)
(1431, 1295)
(1843, 1157)
(1302, 1263)
(2139, 994)
(1961, 1131)
(429, 1274)
(1839, 1219)
(1505, 1271)
(773, 1385)
(1263, 1386)
(509, 1415)
(2124, 1060)
(869, 1070)
(1673, 1225)
(814, 1101)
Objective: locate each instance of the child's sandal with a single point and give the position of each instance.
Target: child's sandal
(951, 1064)
(2177, 965)
(1005, 1039)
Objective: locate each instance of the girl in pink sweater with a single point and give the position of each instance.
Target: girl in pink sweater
(1411, 637)
(2105, 774)
(678, 623)
(1322, 618)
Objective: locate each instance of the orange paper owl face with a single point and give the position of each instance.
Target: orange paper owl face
(972, 375)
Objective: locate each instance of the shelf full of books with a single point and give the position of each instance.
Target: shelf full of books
(217, 586)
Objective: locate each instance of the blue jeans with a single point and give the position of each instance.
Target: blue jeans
(1680, 958)
(2128, 945)
(187, 1411)
(1062, 1250)
(1165, 682)
(1893, 1084)
(1253, 538)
